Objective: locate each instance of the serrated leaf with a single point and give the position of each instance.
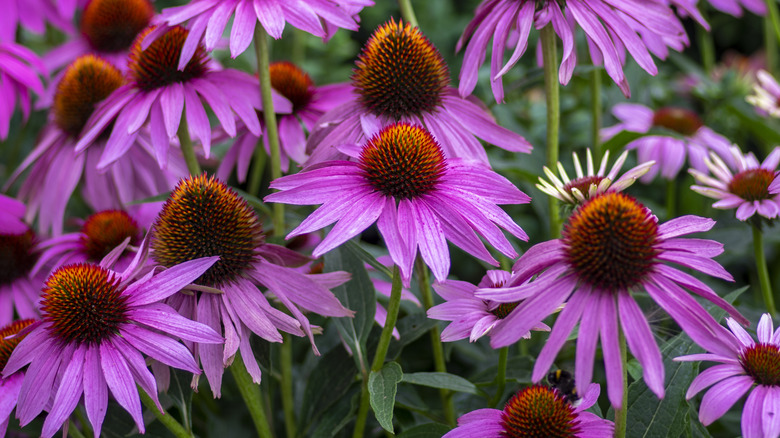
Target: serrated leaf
(382, 387)
(327, 383)
(357, 294)
(430, 430)
(442, 381)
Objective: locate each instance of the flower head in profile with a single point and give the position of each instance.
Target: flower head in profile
(590, 183)
(20, 287)
(630, 23)
(96, 326)
(204, 217)
(418, 198)
(473, 317)
(208, 19)
(10, 386)
(749, 187)
(20, 72)
(612, 247)
(749, 366)
(536, 411)
(400, 76)
(767, 94)
(691, 139)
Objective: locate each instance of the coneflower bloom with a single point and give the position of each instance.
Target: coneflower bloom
(11, 385)
(536, 411)
(95, 325)
(12, 215)
(309, 103)
(20, 71)
(734, 7)
(209, 19)
(56, 168)
(590, 183)
(204, 217)
(473, 317)
(402, 180)
(750, 366)
(767, 94)
(692, 139)
(749, 187)
(401, 77)
(19, 288)
(611, 247)
(158, 91)
(627, 22)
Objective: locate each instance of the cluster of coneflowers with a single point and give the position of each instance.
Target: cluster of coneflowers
(174, 267)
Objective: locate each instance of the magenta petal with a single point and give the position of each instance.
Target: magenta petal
(770, 412)
(161, 348)
(211, 359)
(430, 240)
(640, 340)
(271, 16)
(95, 389)
(613, 363)
(711, 376)
(722, 396)
(587, 339)
(119, 380)
(169, 281)
(135, 361)
(243, 30)
(68, 394)
(162, 317)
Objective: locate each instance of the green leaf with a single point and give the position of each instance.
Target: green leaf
(410, 328)
(382, 387)
(357, 294)
(327, 383)
(337, 417)
(430, 430)
(442, 381)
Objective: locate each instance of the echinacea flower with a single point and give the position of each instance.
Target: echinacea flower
(209, 19)
(749, 187)
(418, 197)
(693, 140)
(536, 411)
(611, 247)
(163, 97)
(734, 7)
(590, 183)
(19, 287)
(56, 168)
(767, 94)
(11, 385)
(20, 71)
(749, 366)
(626, 21)
(96, 323)
(401, 77)
(309, 103)
(12, 215)
(204, 217)
(473, 317)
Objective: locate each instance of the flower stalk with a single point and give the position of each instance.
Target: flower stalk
(621, 415)
(552, 93)
(407, 12)
(595, 110)
(503, 353)
(250, 392)
(763, 272)
(187, 149)
(163, 417)
(285, 357)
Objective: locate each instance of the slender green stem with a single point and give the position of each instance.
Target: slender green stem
(250, 392)
(763, 272)
(85, 424)
(770, 45)
(503, 353)
(381, 350)
(424, 282)
(299, 46)
(706, 48)
(552, 92)
(163, 417)
(285, 357)
(671, 199)
(187, 149)
(408, 12)
(259, 159)
(595, 111)
(774, 18)
(621, 415)
(269, 117)
(73, 430)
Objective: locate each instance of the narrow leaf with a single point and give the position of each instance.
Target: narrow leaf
(442, 381)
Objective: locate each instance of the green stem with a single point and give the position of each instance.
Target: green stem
(595, 110)
(424, 282)
(187, 149)
(621, 415)
(163, 417)
(74, 431)
(285, 357)
(706, 48)
(408, 12)
(298, 47)
(770, 45)
(671, 199)
(258, 167)
(552, 92)
(250, 392)
(84, 422)
(774, 18)
(501, 376)
(763, 272)
(381, 350)
(269, 117)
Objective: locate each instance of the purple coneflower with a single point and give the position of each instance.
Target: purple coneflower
(19, 287)
(204, 217)
(418, 197)
(474, 317)
(20, 69)
(628, 23)
(749, 187)
(309, 103)
(11, 385)
(693, 140)
(747, 366)
(12, 215)
(590, 183)
(158, 91)
(95, 325)
(734, 7)
(767, 94)
(210, 17)
(401, 77)
(610, 247)
(536, 411)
